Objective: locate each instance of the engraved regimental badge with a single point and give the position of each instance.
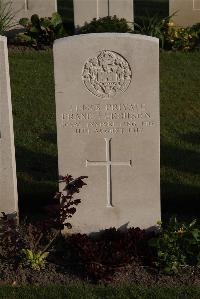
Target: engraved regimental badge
(107, 74)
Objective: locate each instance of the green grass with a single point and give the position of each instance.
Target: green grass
(180, 132)
(32, 85)
(89, 292)
(35, 130)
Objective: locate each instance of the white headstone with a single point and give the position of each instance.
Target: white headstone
(26, 8)
(8, 181)
(187, 12)
(86, 10)
(107, 101)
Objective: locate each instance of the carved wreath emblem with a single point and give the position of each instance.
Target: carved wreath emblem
(106, 74)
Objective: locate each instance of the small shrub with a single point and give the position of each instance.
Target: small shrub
(154, 26)
(171, 37)
(40, 32)
(106, 24)
(6, 16)
(196, 28)
(176, 245)
(182, 39)
(29, 245)
(11, 238)
(66, 207)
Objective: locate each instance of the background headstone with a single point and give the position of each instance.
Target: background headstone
(86, 10)
(188, 12)
(8, 181)
(26, 8)
(107, 101)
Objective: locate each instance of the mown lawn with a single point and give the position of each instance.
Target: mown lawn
(35, 130)
(180, 133)
(89, 292)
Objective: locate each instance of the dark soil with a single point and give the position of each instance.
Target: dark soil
(148, 277)
(52, 274)
(133, 274)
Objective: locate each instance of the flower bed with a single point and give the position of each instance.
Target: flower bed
(37, 253)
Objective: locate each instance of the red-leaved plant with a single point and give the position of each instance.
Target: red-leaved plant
(38, 238)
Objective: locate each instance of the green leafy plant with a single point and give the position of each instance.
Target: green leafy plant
(106, 24)
(154, 26)
(170, 36)
(36, 261)
(41, 32)
(177, 244)
(182, 39)
(196, 28)
(6, 16)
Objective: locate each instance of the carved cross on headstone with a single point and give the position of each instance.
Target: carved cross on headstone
(108, 163)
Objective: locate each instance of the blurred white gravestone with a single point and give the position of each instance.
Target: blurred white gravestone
(26, 8)
(8, 181)
(187, 12)
(86, 10)
(107, 102)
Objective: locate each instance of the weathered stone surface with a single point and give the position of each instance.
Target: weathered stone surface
(8, 182)
(107, 101)
(187, 12)
(86, 10)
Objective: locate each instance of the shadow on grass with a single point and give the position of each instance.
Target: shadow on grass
(182, 160)
(38, 176)
(192, 137)
(38, 165)
(49, 137)
(37, 179)
(181, 198)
